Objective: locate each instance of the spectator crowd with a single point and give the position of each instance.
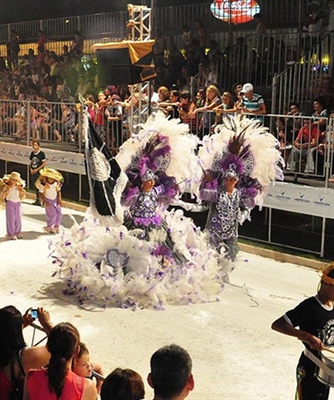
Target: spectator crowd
(39, 93)
(62, 368)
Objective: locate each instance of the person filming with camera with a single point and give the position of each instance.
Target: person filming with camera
(16, 358)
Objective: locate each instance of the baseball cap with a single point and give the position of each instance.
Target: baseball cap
(248, 87)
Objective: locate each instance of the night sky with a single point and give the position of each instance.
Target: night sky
(25, 10)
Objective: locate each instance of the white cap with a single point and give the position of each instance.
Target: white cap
(248, 87)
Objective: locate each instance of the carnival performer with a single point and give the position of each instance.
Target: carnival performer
(153, 173)
(225, 214)
(157, 257)
(240, 161)
(12, 191)
(49, 185)
(143, 212)
(315, 319)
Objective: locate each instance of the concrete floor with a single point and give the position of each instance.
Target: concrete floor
(235, 353)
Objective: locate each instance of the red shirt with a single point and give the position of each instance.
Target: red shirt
(305, 136)
(38, 386)
(5, 385)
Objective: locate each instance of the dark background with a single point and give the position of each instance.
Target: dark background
(23, 10)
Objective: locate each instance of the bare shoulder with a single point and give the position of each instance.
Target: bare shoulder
(90, 392)
(34, 357)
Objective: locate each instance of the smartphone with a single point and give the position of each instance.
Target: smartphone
(34, 313)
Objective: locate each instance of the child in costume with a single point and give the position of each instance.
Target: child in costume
(144, 206)
(49, 185)
(240, 161)
(315, 319)
(13, 192)
(225, 213)
(146, 213)
(82, 366)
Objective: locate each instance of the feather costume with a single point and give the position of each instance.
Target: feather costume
(111, 266)
(239, 162)
(251, 150)
(170, 263)
(166, 148)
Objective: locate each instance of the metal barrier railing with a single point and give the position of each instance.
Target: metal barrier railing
(278, 66)
(280, 15)
(285, 127)
(305, 145)
(40, 120)
(60, 123)
(308, 75)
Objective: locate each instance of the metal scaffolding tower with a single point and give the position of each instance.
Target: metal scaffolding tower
(139, 29)
(139, 23)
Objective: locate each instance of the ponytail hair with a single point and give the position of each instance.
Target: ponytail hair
(63, 342)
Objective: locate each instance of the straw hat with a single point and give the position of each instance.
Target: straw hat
(15, 176)
(51, 173)
(325, 271)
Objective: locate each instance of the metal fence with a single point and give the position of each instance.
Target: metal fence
(23, 121)
(278, 15)
(306, 146)
(314, 163)
(57, 124)
(307, 76)
(284, 64)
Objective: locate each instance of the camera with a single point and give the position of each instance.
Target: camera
(33, 313)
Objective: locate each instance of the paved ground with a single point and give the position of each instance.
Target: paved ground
(235, 353)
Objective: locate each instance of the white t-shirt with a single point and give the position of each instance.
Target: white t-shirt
(13, 194)
(50, 190)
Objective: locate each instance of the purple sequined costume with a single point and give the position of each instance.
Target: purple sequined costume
(143, 215)
(222, 222)
(143, 212)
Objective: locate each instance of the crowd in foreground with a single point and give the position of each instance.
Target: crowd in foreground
(62, 368)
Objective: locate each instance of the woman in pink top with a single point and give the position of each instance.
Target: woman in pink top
(57, 381)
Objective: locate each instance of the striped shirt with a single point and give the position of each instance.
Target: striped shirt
(253, 104)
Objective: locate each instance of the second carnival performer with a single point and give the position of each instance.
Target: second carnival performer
(156, 257)
(240, 161)
(226, 212)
